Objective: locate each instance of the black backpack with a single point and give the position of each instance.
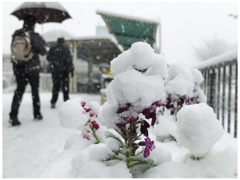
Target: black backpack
(21, 47)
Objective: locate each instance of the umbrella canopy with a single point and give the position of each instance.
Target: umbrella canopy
(43, 11)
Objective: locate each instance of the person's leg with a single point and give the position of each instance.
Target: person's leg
(56, 87)
(34, 82)
(22, 81)
(65, 86)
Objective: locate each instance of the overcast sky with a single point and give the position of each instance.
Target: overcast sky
(183, 24)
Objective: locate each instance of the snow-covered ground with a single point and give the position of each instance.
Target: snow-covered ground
(28, 148)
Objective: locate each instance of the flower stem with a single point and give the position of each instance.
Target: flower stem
(94, 134)
(137, 137)
(129, 155)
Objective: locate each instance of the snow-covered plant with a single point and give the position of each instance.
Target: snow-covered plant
(91, 126)
(132, 100)
(76, 114)
(198, 129)
(183, 88)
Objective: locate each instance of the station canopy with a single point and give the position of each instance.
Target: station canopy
(129, 30)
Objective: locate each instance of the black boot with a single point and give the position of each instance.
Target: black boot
(38, 117)
(52, 106)
(14, 121)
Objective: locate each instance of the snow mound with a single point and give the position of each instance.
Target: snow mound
(222, 164)
(198, 129)
(71, 114)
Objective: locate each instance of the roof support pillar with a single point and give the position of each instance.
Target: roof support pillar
(90, 74)
(73, 80)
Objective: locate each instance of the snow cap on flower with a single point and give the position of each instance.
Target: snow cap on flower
(109, 115)
(94, 106)
(71, 114)
(138, 89)
(180, 80)
(197, 128)
(141, 57)
(197, 76)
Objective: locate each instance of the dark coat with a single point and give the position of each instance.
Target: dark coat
(60, 58)
(38, 47)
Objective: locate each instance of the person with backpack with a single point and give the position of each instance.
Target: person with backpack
(61, 64)
(25, 47)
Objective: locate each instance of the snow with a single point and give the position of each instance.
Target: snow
(70, 114)
(27, 149)
(141, 56)
(220, 59)
(180, 80)
(193, 145)
(198, 129)
(29, 152)
(124, 16)
(53, 35)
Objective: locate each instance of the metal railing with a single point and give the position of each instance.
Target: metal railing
(221, 88)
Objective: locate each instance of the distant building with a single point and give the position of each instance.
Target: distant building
(6, 62)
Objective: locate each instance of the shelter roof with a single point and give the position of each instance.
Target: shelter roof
(99, 49)
(130, 29)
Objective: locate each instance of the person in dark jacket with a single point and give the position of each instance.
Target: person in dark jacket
(61, 65)
(28, 72)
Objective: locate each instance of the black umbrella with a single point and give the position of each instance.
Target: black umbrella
(43, 11)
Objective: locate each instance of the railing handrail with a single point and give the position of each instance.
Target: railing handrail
(217, 61)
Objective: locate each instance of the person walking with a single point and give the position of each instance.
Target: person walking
(26, 46)
(61, 65)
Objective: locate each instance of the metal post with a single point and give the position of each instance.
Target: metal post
(229, 97)
(236, 101)
(218, 94)
(212, 89)
(223, 96)
(205, 82)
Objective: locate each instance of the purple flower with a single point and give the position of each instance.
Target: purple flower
(122, 109)
(132, 143)
(141, 143)
(150, 113)
(149, 146)
(122, 128)
(144, 126)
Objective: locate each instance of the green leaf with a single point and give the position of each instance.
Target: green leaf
(142, 162)
(116, 138)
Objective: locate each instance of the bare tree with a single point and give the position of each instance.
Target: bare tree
(211, 48)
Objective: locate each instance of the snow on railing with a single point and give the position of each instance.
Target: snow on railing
(221, 87)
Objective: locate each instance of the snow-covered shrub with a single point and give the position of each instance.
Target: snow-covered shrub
(198, 129)
(137, 89)
(77, 115)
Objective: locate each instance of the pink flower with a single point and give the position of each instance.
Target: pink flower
(83, 104)
(95, 125)
(92, 114)
(87, 110)
(86, 136)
